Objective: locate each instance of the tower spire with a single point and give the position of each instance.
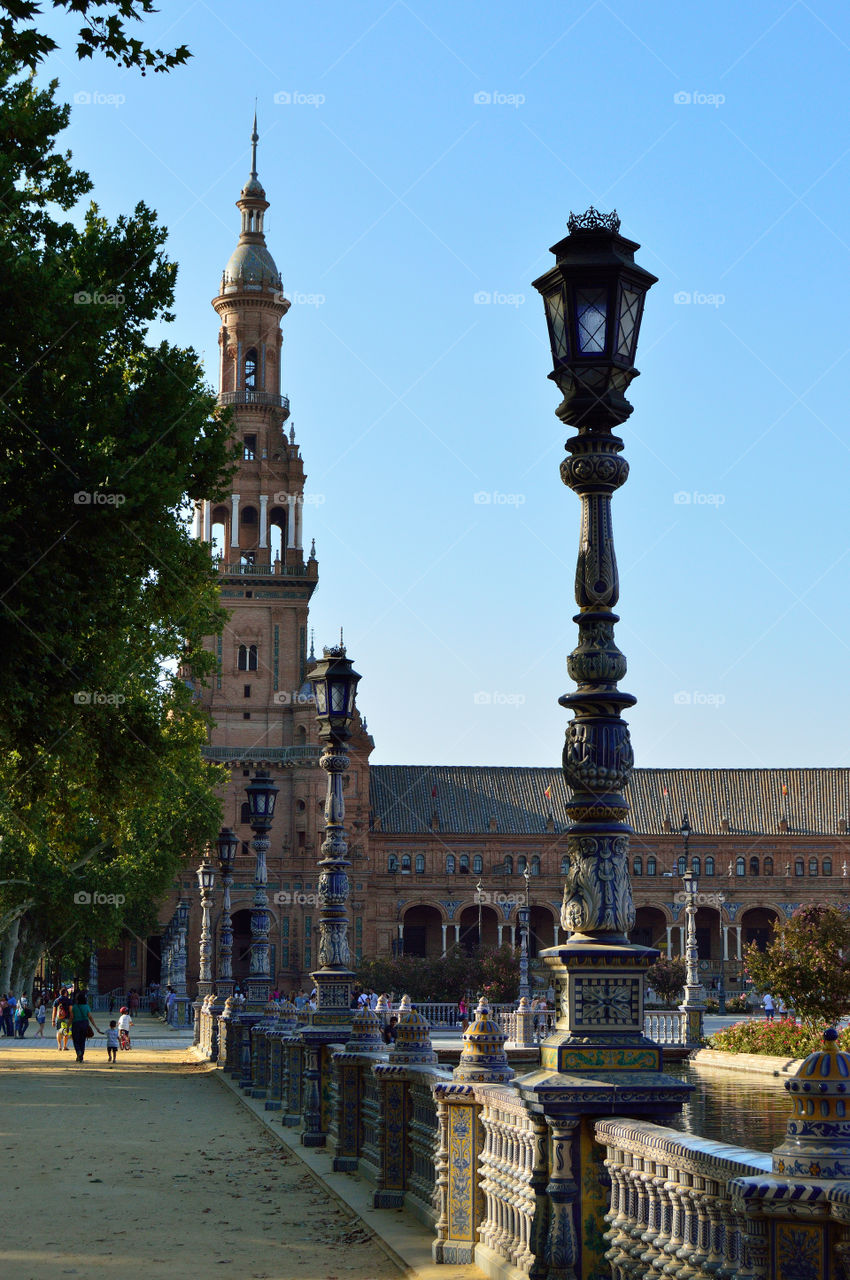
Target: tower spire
(255, 138)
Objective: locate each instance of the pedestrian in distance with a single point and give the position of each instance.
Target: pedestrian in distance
(133, 1001)
(768, 1006)
(41, 1018)
(112, 1042)
(125, 1022)
(390, 1030)
(83, 1025)
(9, 1016)
(62, 1018)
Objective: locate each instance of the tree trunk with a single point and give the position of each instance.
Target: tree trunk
(8, 947)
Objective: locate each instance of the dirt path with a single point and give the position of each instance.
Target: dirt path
(155, 1172)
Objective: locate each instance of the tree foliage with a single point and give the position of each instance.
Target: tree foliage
(105, 598)
(667, 978)
(805, 963)
(104, 29)
(494, 973)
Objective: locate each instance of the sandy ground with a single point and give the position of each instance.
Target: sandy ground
(151, 1170)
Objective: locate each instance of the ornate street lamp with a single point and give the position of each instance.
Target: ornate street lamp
(524, 914)
(334, 682)
(262, 793)
(594, 296)
(206, 885)
(181, 918)
(479, 899)
(227, 847)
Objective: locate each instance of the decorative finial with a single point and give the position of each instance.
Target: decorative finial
(313, 549)
(312, 645)
(593, 220)
(292, 434)
(341, 641)
(255, 137)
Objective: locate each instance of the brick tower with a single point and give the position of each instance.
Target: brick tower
(259, 701)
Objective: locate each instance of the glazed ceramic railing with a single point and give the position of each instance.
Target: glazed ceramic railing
(514, 1152)
(669, 1028)
(422, 1130)
(543, 1022)
(671, 1207)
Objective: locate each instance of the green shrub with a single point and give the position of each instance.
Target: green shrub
(783, 1038)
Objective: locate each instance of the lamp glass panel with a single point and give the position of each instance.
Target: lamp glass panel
(557, 324)
(628, 322)
(321, 697)
(338, 699)
(591, 320)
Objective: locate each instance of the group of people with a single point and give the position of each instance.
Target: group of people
(72, 1019)
(15, 1015)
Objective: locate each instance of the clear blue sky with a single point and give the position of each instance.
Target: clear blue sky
(397, 197)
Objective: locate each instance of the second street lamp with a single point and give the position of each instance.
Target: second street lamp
(692, 1005)
(262, 793)
(227, 846)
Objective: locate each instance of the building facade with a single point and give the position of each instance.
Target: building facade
(438, 853)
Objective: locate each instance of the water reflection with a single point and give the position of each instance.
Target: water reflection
(733, 1106)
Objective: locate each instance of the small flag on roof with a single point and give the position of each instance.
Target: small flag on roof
(548, 792)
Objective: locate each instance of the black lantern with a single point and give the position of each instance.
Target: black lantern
(594, 303)
(334, 682)
(262, 793)
(227, 847)
(206, 876)
(181, 914)
(685, 829)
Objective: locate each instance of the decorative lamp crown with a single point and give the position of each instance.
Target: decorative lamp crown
(262, 793)
(334, 682)
(227, 846)
(181, 914)
(594, 304)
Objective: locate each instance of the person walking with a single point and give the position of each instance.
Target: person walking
(61, 1018)
(112, 1042)
(41, 1018)
(22, 1016)
(81, 1020)
(125, 1022)
(768, 1006)
(171, 1007)
(133, 1001)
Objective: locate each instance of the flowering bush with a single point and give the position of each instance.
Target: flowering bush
(783, 1038)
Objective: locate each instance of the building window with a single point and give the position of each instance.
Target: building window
(535, 865)
(245, 814)
(252, 658)
(308, 942)
(565, 865)
(767, 866)
(302, 839)
(521, 863)
(405, 863)
(477, 864)
(827, 866)
(695, 865)
(450, 864)
(681, 865)
(637, 865)
(242, 658)
(709, 865)
(246, 715)
(509, 865)
(740, 867)
(392, 863)
(464, 864)
(420, 864)
(651, 865)
(754, 866)
(251, 368)
(813, 866)
(798, 867)
(249, 448)
(246, 690)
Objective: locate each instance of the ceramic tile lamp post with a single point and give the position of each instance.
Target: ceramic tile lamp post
(227, 846)
(334, 682)
(262, 794)
(524, 914)
(181, 916)
(594, 295)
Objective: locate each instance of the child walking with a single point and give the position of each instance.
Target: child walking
(112, 1042)
(40, 1017)
(125, 1022)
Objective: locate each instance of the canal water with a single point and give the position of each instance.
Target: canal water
(734, 1106)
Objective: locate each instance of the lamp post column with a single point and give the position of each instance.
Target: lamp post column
(693, 1004)
(225, 945)
(262, 793)
(525, 920)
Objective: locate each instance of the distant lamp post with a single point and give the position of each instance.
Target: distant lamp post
(262, 794)
(181, 916)
(480, 900)
(693, 1003)
(227, 847)
(524, 914)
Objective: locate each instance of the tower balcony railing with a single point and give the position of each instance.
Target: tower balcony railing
(304, 751)
(278, 569)
(254, 399)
